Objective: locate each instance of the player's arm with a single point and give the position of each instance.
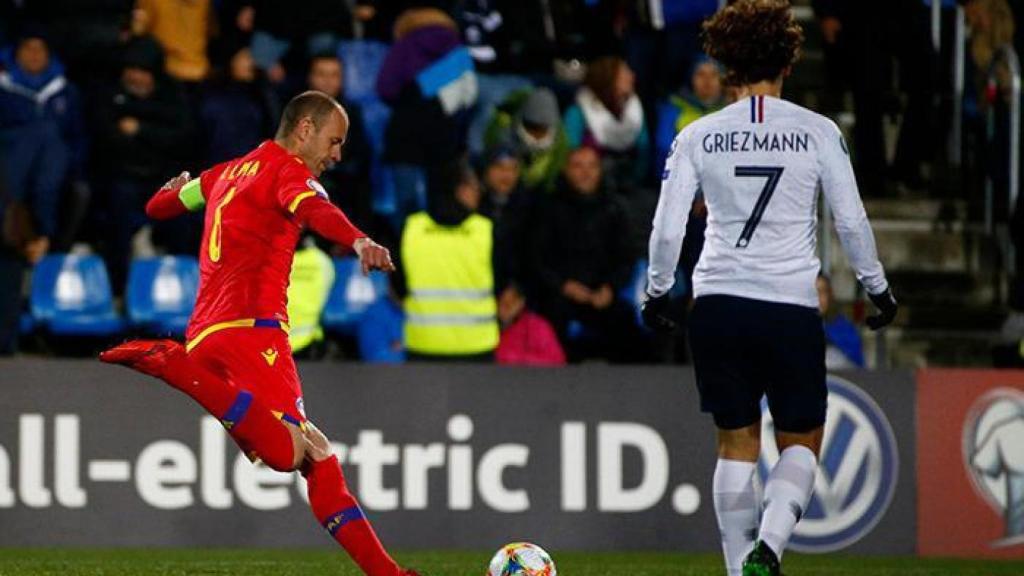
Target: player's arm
(679, 185)
(311, 209)
(181, 194)
(852, 226)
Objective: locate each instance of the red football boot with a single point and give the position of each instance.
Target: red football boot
(147, 356)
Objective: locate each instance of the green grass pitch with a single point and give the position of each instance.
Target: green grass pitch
(327, 563)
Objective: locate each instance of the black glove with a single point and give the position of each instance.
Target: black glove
(654, 311)
(887, 307)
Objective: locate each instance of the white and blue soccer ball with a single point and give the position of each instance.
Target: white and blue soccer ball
(521, 559)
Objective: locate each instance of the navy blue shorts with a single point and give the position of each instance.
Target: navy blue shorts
(746, 349)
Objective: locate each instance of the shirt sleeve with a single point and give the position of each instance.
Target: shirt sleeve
(851, 221)
(679, 185)
(295, 185)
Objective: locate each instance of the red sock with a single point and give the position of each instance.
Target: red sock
(255, 429)
(339, 513)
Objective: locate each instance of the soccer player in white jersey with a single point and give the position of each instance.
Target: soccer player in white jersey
(755, 330)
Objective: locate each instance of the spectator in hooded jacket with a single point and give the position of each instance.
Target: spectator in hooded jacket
(429, 81)
(510, 208)
(42, 137)
(144, 134)
(609, 117)
(531, 124)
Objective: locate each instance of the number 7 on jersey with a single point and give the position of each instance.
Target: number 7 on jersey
(772, 174)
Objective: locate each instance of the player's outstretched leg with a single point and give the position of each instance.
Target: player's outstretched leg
(256, 429)
(338, 512)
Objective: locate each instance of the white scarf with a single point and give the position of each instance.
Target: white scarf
(616, 134)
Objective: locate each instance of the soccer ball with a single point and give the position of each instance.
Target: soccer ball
(521, 559)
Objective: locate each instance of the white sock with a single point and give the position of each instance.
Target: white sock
(786, 494)
(736, 506)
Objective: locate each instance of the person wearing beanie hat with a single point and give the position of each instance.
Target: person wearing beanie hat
(701, 94)
(530, 122)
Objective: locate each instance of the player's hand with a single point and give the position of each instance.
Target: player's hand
(887, 308)
(318, 447)
(177, 182)
(373, 256)
(654, 311)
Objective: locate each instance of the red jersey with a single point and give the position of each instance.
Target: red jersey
(256, 207)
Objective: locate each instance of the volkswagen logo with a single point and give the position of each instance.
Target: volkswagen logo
(857, 470)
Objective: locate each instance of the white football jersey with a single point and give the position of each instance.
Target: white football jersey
(759, 163)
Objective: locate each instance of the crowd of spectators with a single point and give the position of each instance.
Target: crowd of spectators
(550, 120)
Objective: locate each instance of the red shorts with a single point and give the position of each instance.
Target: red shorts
(257, 360)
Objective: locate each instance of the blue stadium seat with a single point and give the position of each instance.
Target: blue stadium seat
(161, 293)
(351, 294)
(362, 62)
(71, 296)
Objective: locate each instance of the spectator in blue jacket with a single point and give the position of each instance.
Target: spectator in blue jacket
(41, 130)
(844, 349)
(379, 333)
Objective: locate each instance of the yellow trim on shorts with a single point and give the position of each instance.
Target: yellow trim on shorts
(243, 323)
(298, 199)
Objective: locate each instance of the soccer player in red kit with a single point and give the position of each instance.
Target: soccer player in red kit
(236, 362)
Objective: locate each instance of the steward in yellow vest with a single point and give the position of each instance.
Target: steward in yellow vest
(450, 308)
(308, 288)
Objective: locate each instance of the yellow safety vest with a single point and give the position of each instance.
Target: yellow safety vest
(308, 288)
(450, 309)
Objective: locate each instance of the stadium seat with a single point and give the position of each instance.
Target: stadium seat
(161, 293)
(71, 296)
(362, 62)
(351, 294)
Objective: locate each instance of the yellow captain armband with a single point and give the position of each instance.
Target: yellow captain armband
(191, 195)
